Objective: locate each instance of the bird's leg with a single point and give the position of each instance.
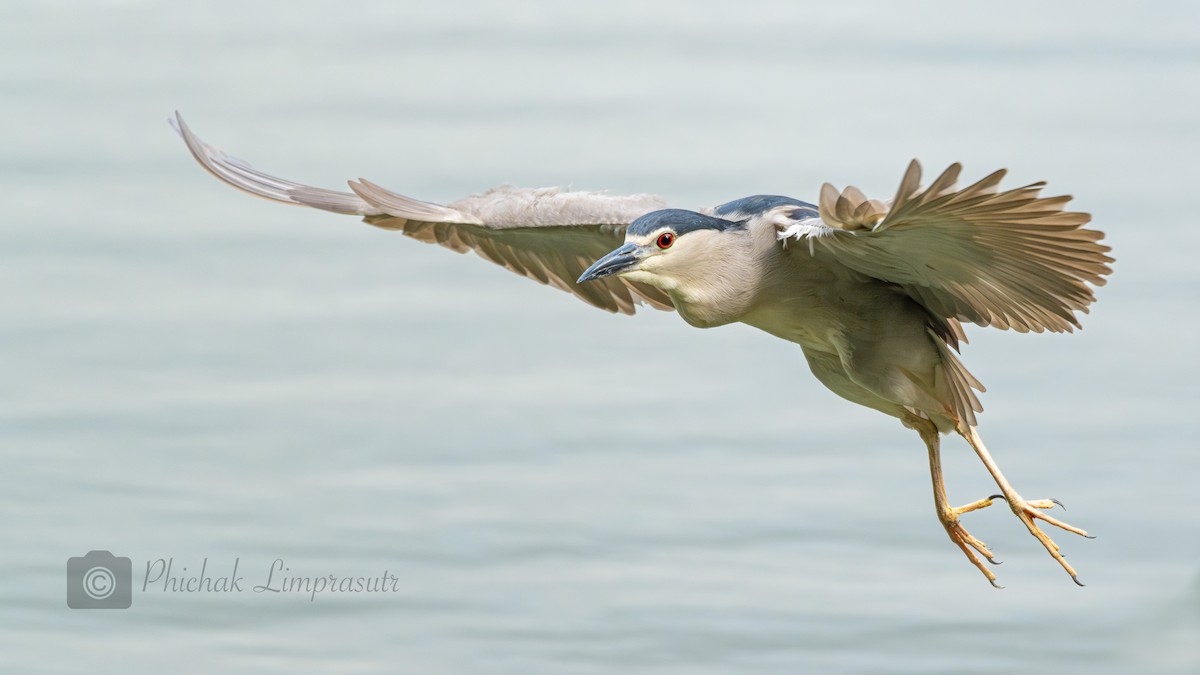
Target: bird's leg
(1026, 511)
(949, 514)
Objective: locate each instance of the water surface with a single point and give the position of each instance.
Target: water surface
(191, 373)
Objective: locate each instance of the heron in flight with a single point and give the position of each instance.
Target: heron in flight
(874, 292)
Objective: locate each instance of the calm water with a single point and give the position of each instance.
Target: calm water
(189, 373)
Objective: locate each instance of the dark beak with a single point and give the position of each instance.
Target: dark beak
(618, 261)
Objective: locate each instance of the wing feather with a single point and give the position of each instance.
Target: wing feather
(400, 206)
(546, 234)
(239, 174)
(1009, 259)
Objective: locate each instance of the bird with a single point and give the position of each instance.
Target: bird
(875, 292)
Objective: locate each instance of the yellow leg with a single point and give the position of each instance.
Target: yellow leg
(1026, 511)
(949, 515)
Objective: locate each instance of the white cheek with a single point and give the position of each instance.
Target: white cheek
(649, 278)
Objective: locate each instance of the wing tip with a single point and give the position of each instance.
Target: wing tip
(241, 175)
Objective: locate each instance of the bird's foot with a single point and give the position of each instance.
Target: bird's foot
(1029, 511)
(963, 539)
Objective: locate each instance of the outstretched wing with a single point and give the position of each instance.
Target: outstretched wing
(547, 234)
(1008, 259)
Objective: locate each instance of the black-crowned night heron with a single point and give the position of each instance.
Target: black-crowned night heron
(874, 292)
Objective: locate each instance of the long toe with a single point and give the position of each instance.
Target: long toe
(1031, 511)
(969, 545)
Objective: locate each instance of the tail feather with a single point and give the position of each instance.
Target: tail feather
(959, 382)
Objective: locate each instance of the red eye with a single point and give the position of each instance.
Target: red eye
(665, 240)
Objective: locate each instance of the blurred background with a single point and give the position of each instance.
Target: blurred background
(190, 373)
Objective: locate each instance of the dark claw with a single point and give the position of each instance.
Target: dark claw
(1076, 580)
(996, 585)
(998, 497)
(993, 560)
(1089, 536)
(1060, 504)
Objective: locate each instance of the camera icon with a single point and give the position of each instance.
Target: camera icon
(99, 580)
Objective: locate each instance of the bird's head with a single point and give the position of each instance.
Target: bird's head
(672, 249)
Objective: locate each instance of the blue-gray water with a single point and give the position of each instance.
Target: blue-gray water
(191, 373)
